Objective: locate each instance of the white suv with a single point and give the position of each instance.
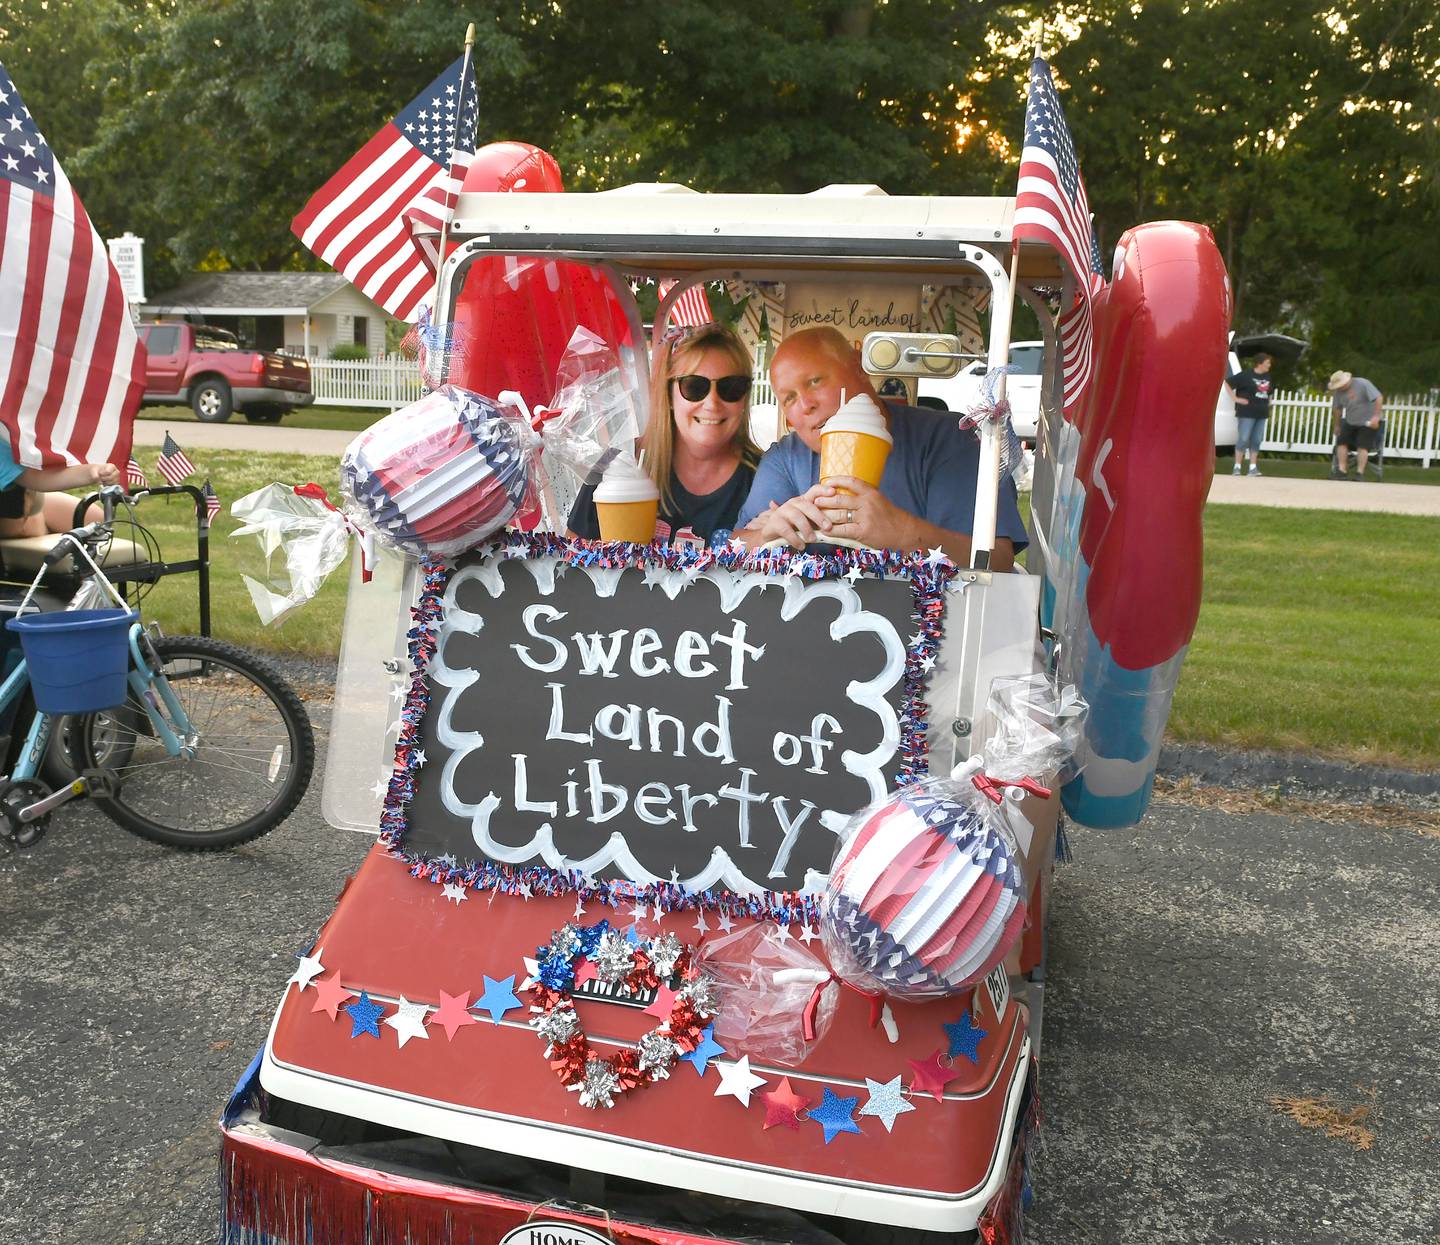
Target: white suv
(964, 390)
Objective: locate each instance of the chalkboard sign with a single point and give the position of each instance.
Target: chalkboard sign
(712, 728)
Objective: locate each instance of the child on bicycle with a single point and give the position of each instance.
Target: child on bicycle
(31, 503)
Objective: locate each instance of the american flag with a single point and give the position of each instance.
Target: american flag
(212, 503)
(1051, 207)
(691, 309)
(172, 463)
(135, 475)
(71, 367)
(363, 221)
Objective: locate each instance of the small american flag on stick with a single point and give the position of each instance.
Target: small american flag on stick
(172, 463)
(1051, 206)
(212, 503)
(691, 309)
(135, 477)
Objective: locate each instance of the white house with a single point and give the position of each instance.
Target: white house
(308, 312)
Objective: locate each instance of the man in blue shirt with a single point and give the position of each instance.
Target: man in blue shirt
(926, 496)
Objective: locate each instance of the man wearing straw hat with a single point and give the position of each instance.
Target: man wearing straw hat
(1356, 407)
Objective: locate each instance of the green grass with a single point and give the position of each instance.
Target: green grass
(1313, 467)
(1317, 631)
(314, 629)
(344, 418)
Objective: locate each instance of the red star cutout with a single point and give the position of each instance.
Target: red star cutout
(329, 994)
(931, 1075)
(585, 971)
(453, 1013)
(783, 1105)
(664, 1003)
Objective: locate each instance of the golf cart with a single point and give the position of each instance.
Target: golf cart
(610, 774)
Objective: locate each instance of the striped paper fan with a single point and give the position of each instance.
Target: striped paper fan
(925, 898)
(438, 476)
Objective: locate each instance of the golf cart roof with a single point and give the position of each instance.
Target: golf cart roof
(662, 228)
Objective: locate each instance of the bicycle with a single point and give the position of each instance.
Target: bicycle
(207, 748)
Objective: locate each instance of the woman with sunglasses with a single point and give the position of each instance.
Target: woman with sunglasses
(698, 447)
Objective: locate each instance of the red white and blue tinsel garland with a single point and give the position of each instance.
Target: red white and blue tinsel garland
(929, 577)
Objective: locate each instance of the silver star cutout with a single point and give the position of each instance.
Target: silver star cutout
(382, 785)
(725, 923)
(886, 1101)
(701, 926)
(408, 1021)
(309, 969)
(854, 574)
(808, 934)
(455, 892)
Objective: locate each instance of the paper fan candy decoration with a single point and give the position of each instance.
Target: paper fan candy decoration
(438, 476)
(925, 898)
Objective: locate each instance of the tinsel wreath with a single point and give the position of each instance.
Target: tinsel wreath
(642, 965)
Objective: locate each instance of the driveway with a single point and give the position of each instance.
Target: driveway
(1202, 966)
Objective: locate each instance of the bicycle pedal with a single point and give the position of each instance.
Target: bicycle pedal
(100, 784)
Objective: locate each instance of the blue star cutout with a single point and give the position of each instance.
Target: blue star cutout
(632, 936)
(706, 1051)
(499, 998)
(965, 1038)
(834, 1115)
(365, 1016)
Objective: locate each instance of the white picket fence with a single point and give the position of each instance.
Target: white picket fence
(1301, 423)
(390, 381)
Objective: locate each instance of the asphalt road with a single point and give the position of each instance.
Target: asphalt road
(1201, 966)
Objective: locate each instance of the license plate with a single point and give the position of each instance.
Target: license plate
(997, 986)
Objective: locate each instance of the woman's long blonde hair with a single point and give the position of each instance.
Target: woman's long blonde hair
(675, 358)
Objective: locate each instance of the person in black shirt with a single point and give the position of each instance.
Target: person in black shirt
(697, 447)
(1250, 387)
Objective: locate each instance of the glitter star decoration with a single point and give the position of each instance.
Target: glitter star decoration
(408, 1021)
(835, 1115)
(886, 1101)
(498, 998)
(965, 1038)
(784, 1106)
(365, 1016)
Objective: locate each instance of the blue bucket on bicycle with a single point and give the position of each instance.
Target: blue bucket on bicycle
(77, 659)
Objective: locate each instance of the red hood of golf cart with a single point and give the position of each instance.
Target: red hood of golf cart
(393, 935)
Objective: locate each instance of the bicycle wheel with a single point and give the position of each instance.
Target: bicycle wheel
(253, 753)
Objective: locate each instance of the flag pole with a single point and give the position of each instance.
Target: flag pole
(450, 211)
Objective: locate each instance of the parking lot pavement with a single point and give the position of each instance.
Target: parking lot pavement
(1201, 966)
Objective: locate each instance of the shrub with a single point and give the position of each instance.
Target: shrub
(347, 350)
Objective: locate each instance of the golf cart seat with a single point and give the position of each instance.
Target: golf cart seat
(21, 556)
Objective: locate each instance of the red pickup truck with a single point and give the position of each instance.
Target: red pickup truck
(207, 368)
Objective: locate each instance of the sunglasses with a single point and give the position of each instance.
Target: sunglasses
(697, 388)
